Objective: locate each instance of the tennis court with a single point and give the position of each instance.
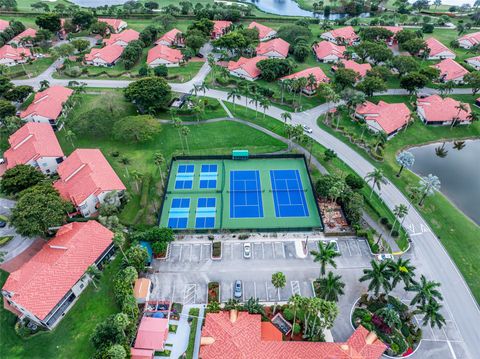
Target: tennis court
(220, 193)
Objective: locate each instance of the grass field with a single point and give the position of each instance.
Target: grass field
(33, 69)
(71, 338)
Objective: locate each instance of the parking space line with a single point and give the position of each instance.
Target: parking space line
(348, 247)
(283, 247)
(295, 287)
(266, 290)
(263, 251)
(191, 251)
(180, 255)
(358, 246)
(201, 253)
(231, 250)
(255, 289)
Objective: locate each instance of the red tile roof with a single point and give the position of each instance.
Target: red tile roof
(436, 47)
(109, 53)
(164, 52)
(48, 103)
(346, 33)
(326, 48)
(30, 142)
(26, 33)
(360, 69)
(219, 26)
(269, 332)
(473, 38)
(14, 53)
(390, 116)
(170, 37)
(450, 69)
(86, 172)
(44, 280)
(276, 45)
(125, 36)
(263, 31)
(394, 29)
(141, 353)
(243, 339)
(248, 65)
(315, 71)
(436, 109)
(114, 23)
(152, 333)
(4, 24)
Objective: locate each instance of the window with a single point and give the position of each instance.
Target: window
(59, 159)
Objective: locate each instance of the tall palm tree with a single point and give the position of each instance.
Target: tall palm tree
(265, 104)
(428, 186)
(377, 178)
(233, 94)
(325, 255)
(405, 159)
(330, 287)
(177, 123)
(70, 136)
(402, 270)
(185, 132)
(426, 291)
(294, 303)
(243, 86)
(400, 211)
(278, 281)
(473, 117)
(431, 314)
(286, 116)
(379, 277)
(159, 160)
(119, 240)
(94, 273)
(256, 98)
(136, 176)
(460, 107)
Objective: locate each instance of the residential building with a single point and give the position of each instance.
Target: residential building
(164, 55)
(173, 37)
(22, 38)
(47, 106)
(395, 30)
(34, 144)
(88, 181)
(220, 28)
(117, 25)
(152, 334)
(434, 110)
(474, 62)
(45, 287)
(273, 49)
(326, 51)
(265, 33)
(450, 70)
(242, 335)
(317, 74)
(142, 289)
(246, 68)
(105, 57)
(342, 36)
(11, 56)
(360, 69)
(438, 51)
(4, 24)
(387, 117)
(469, 40)
(122, 38)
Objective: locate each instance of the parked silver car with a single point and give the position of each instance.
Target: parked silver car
(237, 291)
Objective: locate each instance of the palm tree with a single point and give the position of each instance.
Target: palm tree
(431, 314)
(473, 117)
(185, 132)
(377, 177)
(381, 139)
(428, 186)
(243, 87)
(402, 270)
(256, 98)
(94, 273)
(379, 277)
(136, 176)
(233, 94)
(400, 211)
(159, 160)
(70, 136)
(265, 104)
(308, 142)
(44, 84)
(405, 159)
(119, 240)
(278, 281)
(177, 123)
(286, 116)
(325, 255)
(294, 303)
(426, 291)
(330, 287)
(460, 107)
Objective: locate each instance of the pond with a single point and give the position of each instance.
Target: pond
(458, 170)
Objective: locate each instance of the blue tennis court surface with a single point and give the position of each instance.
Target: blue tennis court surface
(208, 176)
(288, 194)
(178, 215)
(245, 194)
(184, 179)
(205, 215)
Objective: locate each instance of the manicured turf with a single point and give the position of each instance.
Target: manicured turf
(245, 195)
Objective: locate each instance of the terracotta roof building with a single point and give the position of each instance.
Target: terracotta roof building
(34, 144)
(220, 28)
(474, 62)
(23, 35)
(106, 56)
(45, 288)
(86, 178)
(264, 32)
(11, 56)
(469, 40)
(171, 38)
(326, 51)
(274, 49)
(434, 110)
(116, 24)
(141, 290)
(152, 333)
(438, 51)
(342, 36)
(386, 117)
(316, 72)
(122, 38)
(360, 69)
(164, 55)
(450, 70)
(246, 68)
(47, 105)
(242, 335)
(141, 353)
(4, 24)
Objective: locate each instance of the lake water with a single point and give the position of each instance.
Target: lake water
(459, 173)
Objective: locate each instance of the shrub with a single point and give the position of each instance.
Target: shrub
(115, 154)
(136, 129)
(395, 233)
(384, 220)
(217, 249)
(288, 314)
(296, 329)
(243, 236)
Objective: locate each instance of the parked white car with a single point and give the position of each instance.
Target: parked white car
(384, 256)
(247, 250)
(307, 129)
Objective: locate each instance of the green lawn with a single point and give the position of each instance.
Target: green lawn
(32, 69)
(194, 312)
(70, 339)
(24, 5)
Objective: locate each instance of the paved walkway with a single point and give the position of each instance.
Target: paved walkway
(179, 340)
(198, 336)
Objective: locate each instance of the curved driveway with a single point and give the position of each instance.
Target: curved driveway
(426, 249)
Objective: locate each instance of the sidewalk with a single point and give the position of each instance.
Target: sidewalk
(380, 230)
